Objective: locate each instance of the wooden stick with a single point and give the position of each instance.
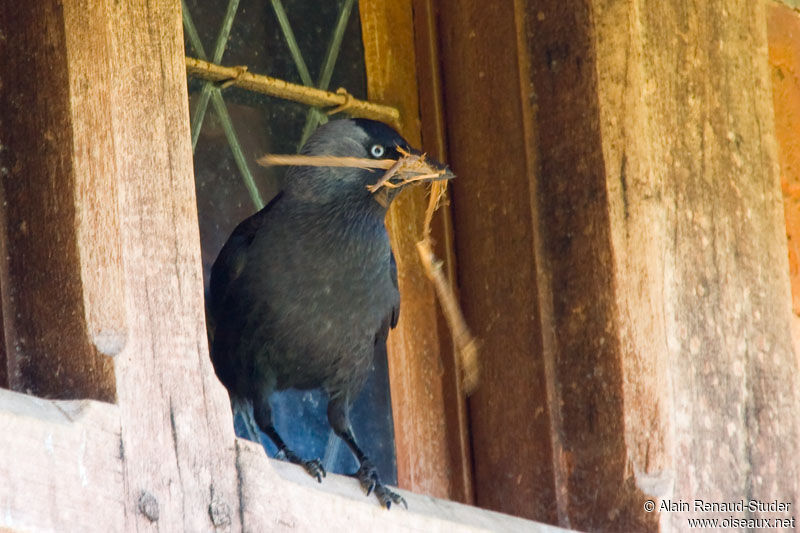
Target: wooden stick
(240, 77)
(409, 168)
(466, 345)
(323, 161)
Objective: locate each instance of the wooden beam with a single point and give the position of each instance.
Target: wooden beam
(710, 380)
(339, 504)
(622, 255)
(177, 427)
(509, 416)
(102, 235)
(434, 142)
(579, 294)
(65, 317)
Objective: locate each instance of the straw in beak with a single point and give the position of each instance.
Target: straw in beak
(412, 167)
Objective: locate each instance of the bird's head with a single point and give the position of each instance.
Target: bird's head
(362, 138)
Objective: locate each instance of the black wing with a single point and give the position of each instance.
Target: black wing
(226, 269)
(230, 261)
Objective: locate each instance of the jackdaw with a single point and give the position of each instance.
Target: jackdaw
(303, 293)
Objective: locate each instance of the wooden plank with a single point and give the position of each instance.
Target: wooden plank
(509, 414)
(176, 420)
(61, 465)
(339, 504)
(55, 192)
(434, 142)
(574, 233)
(783, 27)
(415, 356)
(703, 291)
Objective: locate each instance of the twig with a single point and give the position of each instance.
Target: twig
(290, 91)
(323, 161)
(466, 345)
(409, 168)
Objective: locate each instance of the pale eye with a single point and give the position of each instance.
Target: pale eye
(377, 150)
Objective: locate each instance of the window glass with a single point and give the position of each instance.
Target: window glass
(254, 124)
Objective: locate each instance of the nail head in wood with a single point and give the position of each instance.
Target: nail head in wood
(148, 506)
(220, 513)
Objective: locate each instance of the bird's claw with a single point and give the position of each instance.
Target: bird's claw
(367, 476)
(387, 497)
(313, 467)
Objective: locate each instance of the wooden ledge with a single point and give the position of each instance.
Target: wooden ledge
(72, 448)
(339, 503)
(61, 464)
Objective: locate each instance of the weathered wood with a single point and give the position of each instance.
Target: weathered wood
(415, 357)
(579, 297)
(509, 416)
(700, 250)
(662, 229)
(177, 428)
(302, 504)
(783, 27)
(666, 367)
(62, 316)
(101, 216)
(434, 142)
(60, 465)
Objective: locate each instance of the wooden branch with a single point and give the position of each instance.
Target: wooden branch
(240, 77)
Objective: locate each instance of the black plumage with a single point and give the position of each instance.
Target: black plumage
(304, 292)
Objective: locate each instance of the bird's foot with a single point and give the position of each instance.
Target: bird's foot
(367, 475)
(313, 467)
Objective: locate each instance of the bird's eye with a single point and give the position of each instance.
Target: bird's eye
(377, 150)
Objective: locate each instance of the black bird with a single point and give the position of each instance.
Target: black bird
(303, 293)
